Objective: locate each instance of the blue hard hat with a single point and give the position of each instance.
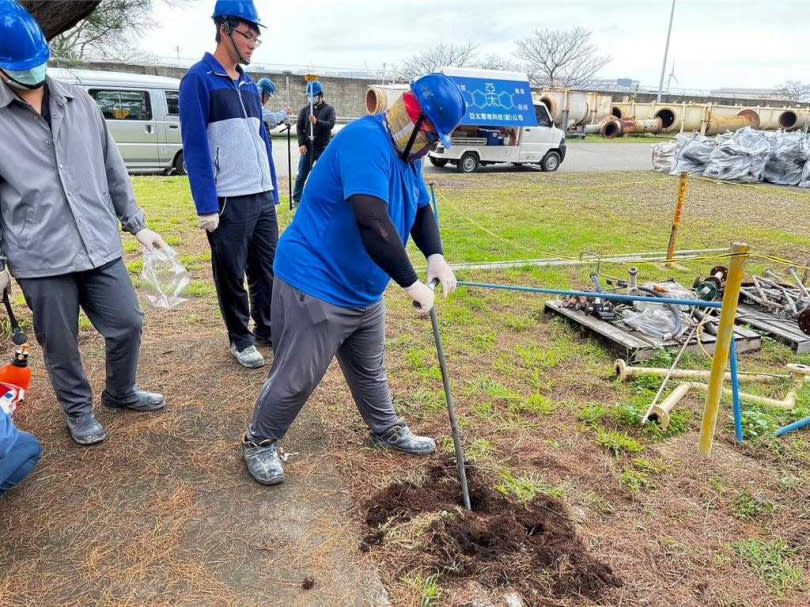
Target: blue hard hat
(239, 9)
(22, 43)
(314, 89)
(441, 102)
(266, 87)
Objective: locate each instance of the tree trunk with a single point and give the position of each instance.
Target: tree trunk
(57, 16)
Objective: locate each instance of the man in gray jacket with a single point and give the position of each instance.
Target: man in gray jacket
(63, 190)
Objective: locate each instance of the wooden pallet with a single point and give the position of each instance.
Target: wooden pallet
(786, 331)
(635, 346)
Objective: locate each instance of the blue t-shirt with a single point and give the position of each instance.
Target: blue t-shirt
(322, 253)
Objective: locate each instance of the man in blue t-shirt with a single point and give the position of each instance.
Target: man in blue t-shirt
(364, 198)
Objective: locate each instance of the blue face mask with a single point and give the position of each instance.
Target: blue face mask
(28, 79)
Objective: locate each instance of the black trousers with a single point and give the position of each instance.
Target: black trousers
(107, 297)
(244, 245)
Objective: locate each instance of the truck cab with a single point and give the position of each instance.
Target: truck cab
(502, 125)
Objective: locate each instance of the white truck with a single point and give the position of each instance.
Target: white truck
(502, 124)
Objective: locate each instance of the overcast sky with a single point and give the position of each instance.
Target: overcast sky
(715, 43)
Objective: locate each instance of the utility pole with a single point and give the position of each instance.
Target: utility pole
(666, 51)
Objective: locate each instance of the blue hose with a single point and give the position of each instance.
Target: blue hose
(802, 423)
(735, 392)
(593, 295)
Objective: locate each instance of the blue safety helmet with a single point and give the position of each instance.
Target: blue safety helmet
(238, 9)
(22, 43)
(314, 89)
(441, 102)
(267, 87)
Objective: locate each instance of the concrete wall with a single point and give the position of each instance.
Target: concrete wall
(347, 95)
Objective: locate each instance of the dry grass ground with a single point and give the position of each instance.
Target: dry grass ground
(163, 513)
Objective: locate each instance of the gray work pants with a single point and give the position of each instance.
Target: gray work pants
(107, 297)
(307, 334)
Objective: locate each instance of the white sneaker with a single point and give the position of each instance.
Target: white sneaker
(250, 357)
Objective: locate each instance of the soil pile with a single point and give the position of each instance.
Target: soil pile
(533, 548)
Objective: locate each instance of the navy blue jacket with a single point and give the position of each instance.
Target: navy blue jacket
(225, 144)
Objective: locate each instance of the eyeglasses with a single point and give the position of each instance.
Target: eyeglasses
(255, 41)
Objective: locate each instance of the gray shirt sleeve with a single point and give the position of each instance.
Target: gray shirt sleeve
(129, 213)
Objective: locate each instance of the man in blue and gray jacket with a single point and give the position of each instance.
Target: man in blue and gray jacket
(232, 176)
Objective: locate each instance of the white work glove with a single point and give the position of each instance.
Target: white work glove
(150, 240)
(5, 282)
(209, 223)
(439, 268)
(422, 296)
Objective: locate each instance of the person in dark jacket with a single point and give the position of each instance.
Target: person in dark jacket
(233, 178)
(318, 124)
(64, 192)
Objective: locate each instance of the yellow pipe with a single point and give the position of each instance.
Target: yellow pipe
(739, 255)
(660, 412)
(624, 372)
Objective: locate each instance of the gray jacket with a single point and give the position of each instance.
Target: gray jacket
(63, 190)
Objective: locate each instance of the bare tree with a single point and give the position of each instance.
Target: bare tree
(57, 16)
(561, 58)
(795, 90)
(106, 32)
(496, 62)
(437, 57)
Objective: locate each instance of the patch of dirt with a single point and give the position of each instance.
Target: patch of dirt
(533, 548)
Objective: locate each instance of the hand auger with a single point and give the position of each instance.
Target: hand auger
(451, 410)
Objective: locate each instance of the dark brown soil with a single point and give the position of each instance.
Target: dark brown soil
(533, 548)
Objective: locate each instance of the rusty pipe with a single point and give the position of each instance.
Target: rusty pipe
(380, 98)
(721, 124)
(615, 127)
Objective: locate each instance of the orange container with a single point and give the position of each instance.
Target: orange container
(17, 372)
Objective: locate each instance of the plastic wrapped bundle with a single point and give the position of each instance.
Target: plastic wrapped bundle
(805, 180)
(693, 155)
(663, 156)
(742, 157)
(788, 158)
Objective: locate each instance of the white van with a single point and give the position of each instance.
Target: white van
(142, 113)
(502, 124)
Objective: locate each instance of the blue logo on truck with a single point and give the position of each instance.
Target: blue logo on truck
(497, 102)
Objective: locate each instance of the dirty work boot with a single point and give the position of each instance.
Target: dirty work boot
(142, 401)
(248, 357)
(85, 429)
(262, 459)
(400, 437)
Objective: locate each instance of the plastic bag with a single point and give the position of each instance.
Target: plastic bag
(165, 278)
(742, 157)
(788, 158)
(655, 321)
(663, 156)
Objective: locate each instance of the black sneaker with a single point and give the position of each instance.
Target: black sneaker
(143, 401)
(85, 429)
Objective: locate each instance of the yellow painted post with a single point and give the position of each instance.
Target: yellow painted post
(676, 222)
(739, 255)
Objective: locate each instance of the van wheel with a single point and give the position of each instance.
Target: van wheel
(551, 162)
(179, 164)
(468, 163)
(438, 162)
